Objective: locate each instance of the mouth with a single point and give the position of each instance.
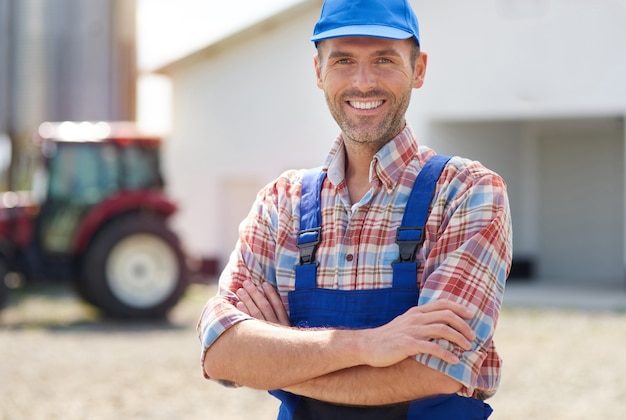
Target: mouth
(365, 105)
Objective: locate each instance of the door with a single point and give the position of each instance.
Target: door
(582, 205)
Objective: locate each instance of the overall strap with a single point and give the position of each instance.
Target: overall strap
(409, 237)
(411, 233)
(310, 227)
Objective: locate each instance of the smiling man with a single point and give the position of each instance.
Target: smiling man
(369, 288)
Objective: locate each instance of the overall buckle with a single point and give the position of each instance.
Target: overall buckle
(408, 240)
(307, 244)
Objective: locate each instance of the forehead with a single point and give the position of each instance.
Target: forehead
(364, 45)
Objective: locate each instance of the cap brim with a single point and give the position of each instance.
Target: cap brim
(376, 31)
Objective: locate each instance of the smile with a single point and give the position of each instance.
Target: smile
(365, 105)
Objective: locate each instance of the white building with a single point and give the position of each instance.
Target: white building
(534, 89)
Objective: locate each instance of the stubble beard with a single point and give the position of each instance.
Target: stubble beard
(360, 129)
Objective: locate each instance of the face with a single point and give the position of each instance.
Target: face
(367, 83)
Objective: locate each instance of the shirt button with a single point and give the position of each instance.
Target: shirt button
(349, 257)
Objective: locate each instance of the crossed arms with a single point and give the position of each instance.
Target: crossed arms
(359, 367)
(253, 345)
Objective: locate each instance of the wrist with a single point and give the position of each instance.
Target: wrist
(359, 346)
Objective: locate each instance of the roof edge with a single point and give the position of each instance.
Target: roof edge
(237, 37)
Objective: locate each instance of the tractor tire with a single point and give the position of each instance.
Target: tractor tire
(134, 269)
(82, 289)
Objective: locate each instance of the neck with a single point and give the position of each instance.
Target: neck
(358, 160)
(359, 157)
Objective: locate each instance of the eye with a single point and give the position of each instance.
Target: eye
(384, 60)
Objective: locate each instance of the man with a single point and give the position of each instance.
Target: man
(349, 336)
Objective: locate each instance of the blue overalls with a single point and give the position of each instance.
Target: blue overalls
(310, 306)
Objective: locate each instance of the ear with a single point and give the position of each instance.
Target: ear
(318, 73)
(420, 70)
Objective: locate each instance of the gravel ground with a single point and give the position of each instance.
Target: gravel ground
(60, 361)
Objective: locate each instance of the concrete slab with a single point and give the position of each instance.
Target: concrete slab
(575, 295)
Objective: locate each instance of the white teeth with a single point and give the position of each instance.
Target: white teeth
(366, 105)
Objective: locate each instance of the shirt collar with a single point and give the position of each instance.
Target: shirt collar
(388, 164)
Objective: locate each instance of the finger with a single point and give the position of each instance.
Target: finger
(434, 349)
(443, 331)
(442, 304)
(243, 308)
(260, 302)
(448, 312)
(387, 346)
(457, 323)
(274, 298)
(449, 325)
(247, 305)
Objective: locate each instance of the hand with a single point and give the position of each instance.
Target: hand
(264, 304)
(414, 332)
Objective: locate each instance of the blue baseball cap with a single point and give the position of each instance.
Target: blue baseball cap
(393, 19)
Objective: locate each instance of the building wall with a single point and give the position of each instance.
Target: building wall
(507, 81)
(240, 118)
(581, 195)
(504, 79)
(522, 58)
(565, 179)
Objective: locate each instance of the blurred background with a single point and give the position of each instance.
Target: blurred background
(532, 88)
(218, 98)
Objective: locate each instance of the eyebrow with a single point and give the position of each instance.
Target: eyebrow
(389, 51)
(379, 53)
(337, 54)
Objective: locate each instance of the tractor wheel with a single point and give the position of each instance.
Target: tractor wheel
(134, 268)
(82, 289)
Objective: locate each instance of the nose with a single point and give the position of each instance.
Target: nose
(363, 78)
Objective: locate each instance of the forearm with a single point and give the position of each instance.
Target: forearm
(260, 355)
(366, 385)
(268, 356)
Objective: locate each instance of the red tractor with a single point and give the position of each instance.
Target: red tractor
(97, 215)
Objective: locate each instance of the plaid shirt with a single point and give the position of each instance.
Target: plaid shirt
(466, 255)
